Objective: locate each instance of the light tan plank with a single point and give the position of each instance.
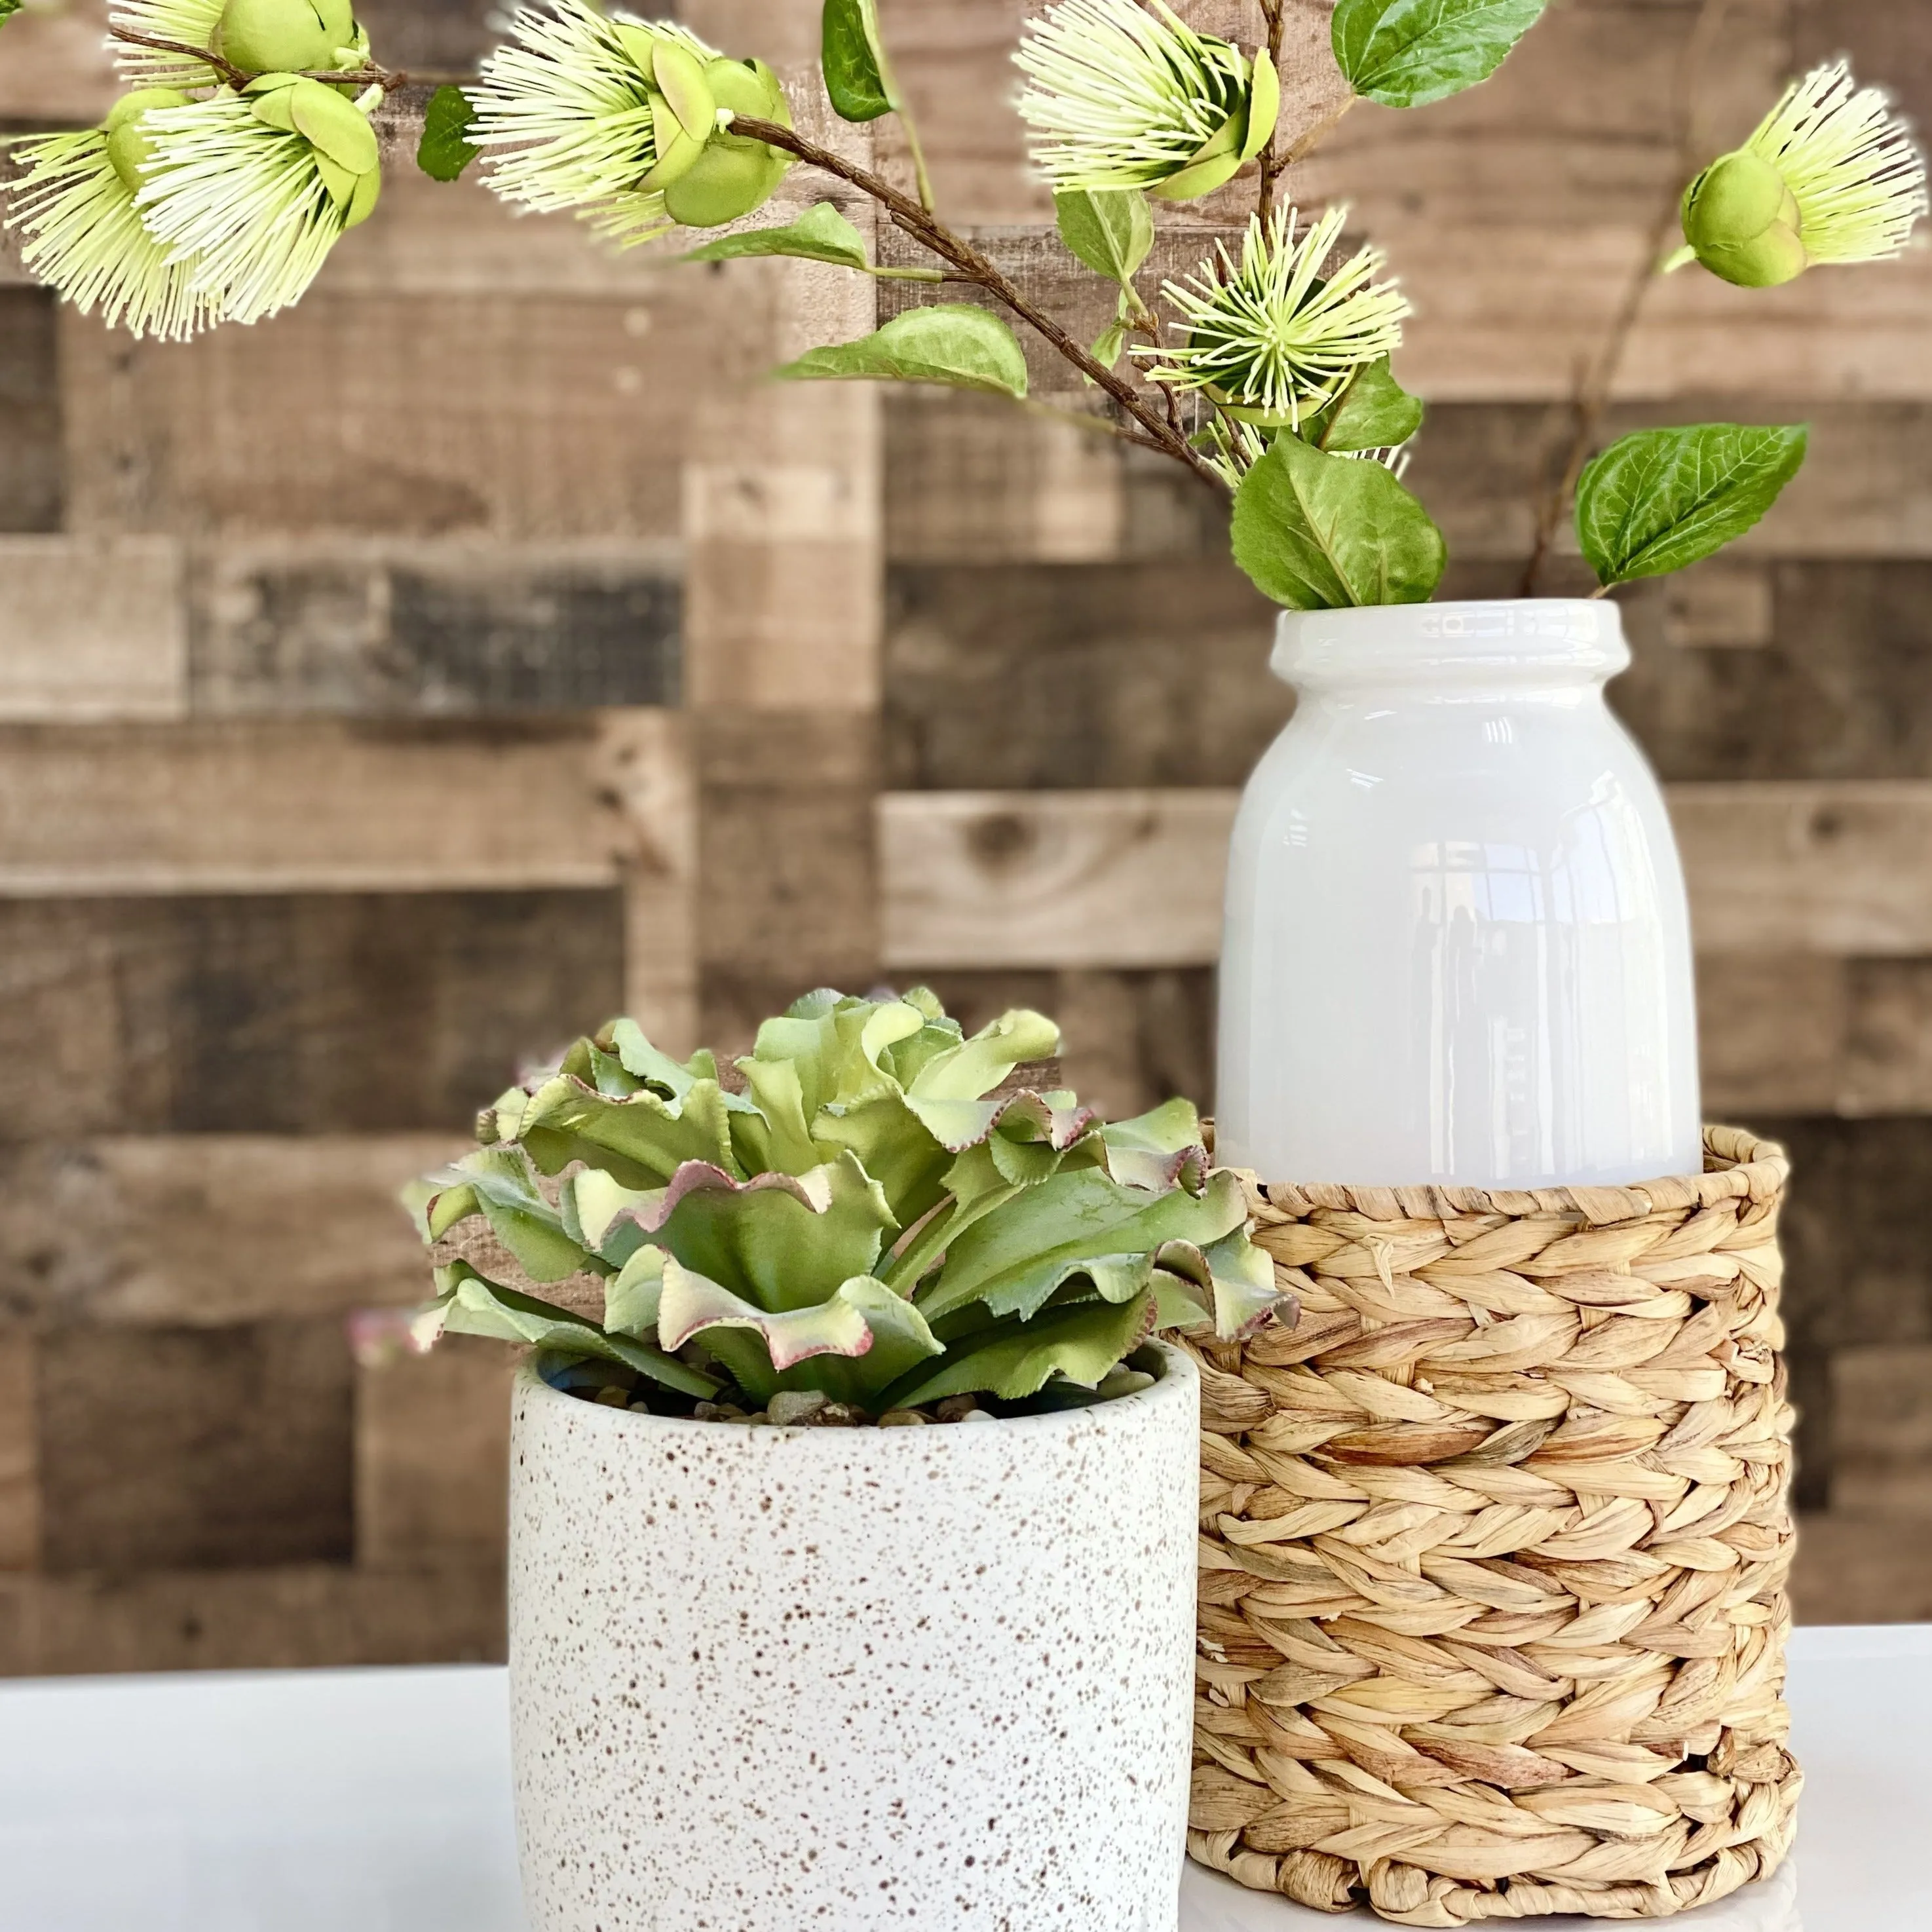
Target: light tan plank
(92, 629)
(201, 1229)
(314, 806)
(1127, 878)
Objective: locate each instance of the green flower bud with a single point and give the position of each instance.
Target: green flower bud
(345, 154)
(1742, 222)
(285, 36)
(130, 145)
(734, 175)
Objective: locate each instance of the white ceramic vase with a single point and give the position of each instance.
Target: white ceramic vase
(1457, 946)
(825, 1680)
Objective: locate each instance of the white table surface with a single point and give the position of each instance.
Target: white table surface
(379, 1800)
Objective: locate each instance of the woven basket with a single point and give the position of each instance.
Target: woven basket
(1492, 1614)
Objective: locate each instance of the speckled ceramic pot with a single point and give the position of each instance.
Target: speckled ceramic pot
(766, 1680)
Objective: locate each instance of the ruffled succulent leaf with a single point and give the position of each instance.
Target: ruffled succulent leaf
(1163, 1148)
(631, 1297)
(1110, 230)
(977, 1066)
(445, 150)
(1013, 1359)
(839, 1046)
(1317, 532)
(1660, 499)
(781, 1241)
(951, 343)
(1407, 53)
(1081, 1223)
(861, 1320)
(643, 1137)
(1228, 1287)
(469, 1304)
(1375, 412)
(858, 77)
(500, 1184)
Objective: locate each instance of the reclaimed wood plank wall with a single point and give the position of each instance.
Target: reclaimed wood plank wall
(389, 690)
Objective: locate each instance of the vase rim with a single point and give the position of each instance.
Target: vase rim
(1573, 640)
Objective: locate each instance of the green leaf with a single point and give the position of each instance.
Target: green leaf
(951, 342)
(500, 1184)
(471, 1305)
(1375, 412)
(1664, 498)
(1406, 53)
(445, 148)
(1013, 1359)
(1158, 1149)
(821, 234)
(8, 8)
(1320, 532)
(1080, 1223)
(1229, 1284)
(858, 78)
(1110, 230)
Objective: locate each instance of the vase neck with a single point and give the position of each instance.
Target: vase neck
(1549, 643)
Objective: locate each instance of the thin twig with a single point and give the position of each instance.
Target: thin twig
(238, 78)
(919, 223)
(1274, 163)
(1592, 397)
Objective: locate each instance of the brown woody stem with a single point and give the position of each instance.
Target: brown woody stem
(238, 78)
(919, 223)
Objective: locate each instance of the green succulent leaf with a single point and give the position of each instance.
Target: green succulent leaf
(631, 1301)
(862, 1320)
(500, 1184)
(977, 1066)
(8, 8)
(1228, 1286)
(949, 343)
(642, 1138)
(1110, 230)
(1407, 53)
(858, 77)
(821, 234)
(445, 149)
(1375, 412)
(1664, 498)
(1012, 1359)
(1319, 532)
(469, 1304)
(1160, 1149)
(1082, 1223)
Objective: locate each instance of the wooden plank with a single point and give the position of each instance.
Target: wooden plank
(33, 477)
(56, 68)
(195, 1448)
(92, 629)
(651, 773)
(312, 805)
(406, 415)
(432, 1450)
(1882, 1430)
(1856, 1568)
(1132, 878)
(1023, 675)
(320, 1013)
(209, 1229)
(313, 1616)
(19, 1455)
(357, 626)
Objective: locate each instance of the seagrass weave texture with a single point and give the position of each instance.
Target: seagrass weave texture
(1494, 1541)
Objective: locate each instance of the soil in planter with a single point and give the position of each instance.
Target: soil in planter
(612, 1386)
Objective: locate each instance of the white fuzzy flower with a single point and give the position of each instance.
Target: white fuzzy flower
(193, 23)
(1124, 96)
(82, 234)
(1831, 174)
(1272, 338)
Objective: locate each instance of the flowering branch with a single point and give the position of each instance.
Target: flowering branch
(908, 215)
(238, 78)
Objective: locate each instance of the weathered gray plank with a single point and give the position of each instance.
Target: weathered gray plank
(442, 627)
(19, 1455)
(207, 1229)
(319, 1014)
(33, 474)
(315, 805)
(196, 1448)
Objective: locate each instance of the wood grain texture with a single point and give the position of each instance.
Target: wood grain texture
(205, 1230)
(195, 1448)
(92, 629)
(33, 481)
(314, 1014)
(1882, 1429)
(20, 1457)
(315, 805)
(311, 1616)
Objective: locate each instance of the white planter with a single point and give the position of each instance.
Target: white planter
(1457, 946)
(821, 1680)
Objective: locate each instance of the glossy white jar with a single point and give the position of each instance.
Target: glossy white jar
(1457, 947)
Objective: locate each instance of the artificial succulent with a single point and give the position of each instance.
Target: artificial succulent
(869, 1209)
